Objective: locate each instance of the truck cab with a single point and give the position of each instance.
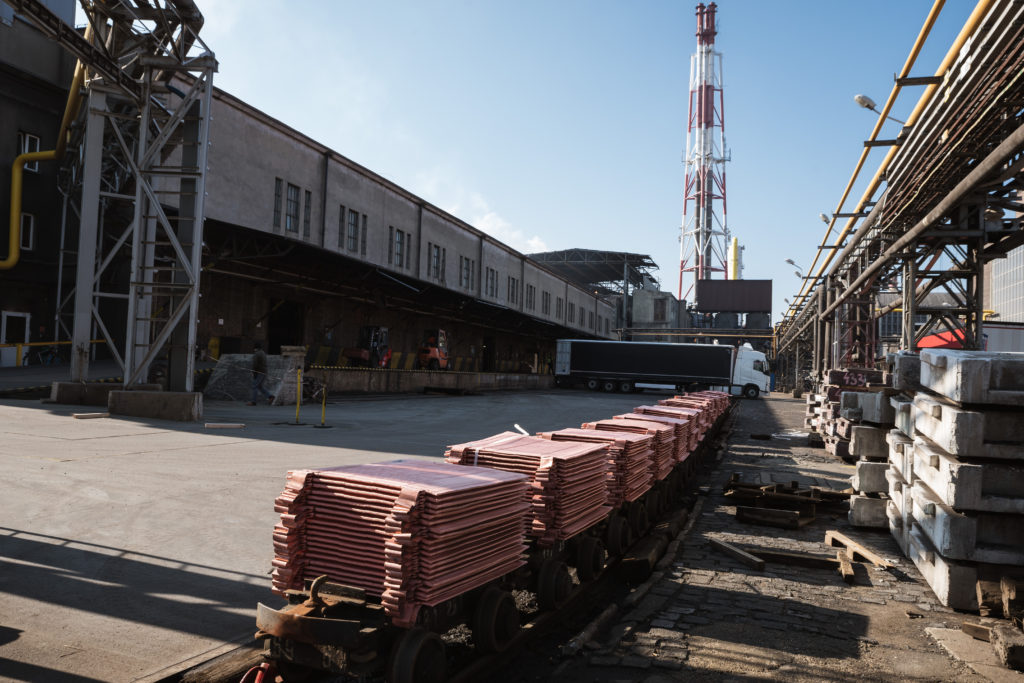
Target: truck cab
(751, 373)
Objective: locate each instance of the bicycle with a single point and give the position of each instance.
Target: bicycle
(48, 356)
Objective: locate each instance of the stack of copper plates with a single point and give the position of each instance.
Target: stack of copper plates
(707, 404)
(629, 457)
(569, 480)
(414, 532)
(663, 444)
(720, 399)
(685, 431)
(701, 417)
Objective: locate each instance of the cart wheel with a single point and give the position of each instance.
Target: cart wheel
(617, 536)
(590, 558)
(553, 585)
(495, 620)
(638, 518)
(417, 657)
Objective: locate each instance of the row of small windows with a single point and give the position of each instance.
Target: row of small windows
(28, 143)
(352, 237)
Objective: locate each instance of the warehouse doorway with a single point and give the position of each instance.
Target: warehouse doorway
(488, 355)
(286, 325)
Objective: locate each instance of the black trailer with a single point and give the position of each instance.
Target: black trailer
(619, 365)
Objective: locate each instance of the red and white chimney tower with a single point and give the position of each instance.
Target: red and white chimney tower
(704, 235)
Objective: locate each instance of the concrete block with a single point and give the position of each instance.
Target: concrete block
(898, 490)
(868, 512)
(906, 371)
(870, 477)
(91, 393)
(951, 581)
(868, 442)
(901, 454)
(181, 406)
(852, 414)
(850, 400)
(903, 414)
(978, 536)
(1008, 643)
(899, 525)
(986, 487)
(853, 377)
(974, 376)
(875, 407)
(987, 433)
(836, 446)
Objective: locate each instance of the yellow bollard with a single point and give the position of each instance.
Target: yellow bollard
(18, 355)
(298, 394)
(323, 409)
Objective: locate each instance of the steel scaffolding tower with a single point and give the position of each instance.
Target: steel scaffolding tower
(704, 235)
(134, 183)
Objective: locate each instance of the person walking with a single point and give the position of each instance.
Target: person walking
(259, 375)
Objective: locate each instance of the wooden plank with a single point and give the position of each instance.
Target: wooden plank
(796, 559)
(639, 562)
(738, 554)
(783, 519)
(990, 598)
(89, 416)
(1013, 597)
(835, 539)
(976, 631)
(224, 425)
(845, 566)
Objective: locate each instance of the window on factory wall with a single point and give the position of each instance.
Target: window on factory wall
(571, 317)
(590, 320)
(436, 256)
(467, 268)
(352, 236)
(28, 143)
(307, 210)
(545, 303)
(391, 244)
(531, 297)
(362, 241)
(278, 192)
(400, 248)
(341, 226)
(28, 232)
(291, 211)
(606, 326)
(660, 308)
(512, 295)
(491, 282)
(558, 308)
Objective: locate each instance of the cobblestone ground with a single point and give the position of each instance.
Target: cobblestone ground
(709, 617)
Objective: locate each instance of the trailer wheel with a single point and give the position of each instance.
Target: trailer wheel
(418, 657)
(554, 585)
(495, 620)
(590, 558)
(593, 384)
(608, 385)
(626, 387)
(617, 536)
(750, 391)
(637, 517)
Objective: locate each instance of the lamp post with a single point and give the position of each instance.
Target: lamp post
(868, 103)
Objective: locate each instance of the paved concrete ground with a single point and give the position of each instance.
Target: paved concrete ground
(129, 547)
(708, 617)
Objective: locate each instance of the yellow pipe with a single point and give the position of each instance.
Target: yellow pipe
(14, 237)
(968, 29)
(70, 113)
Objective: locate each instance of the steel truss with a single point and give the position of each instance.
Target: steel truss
(956, 173)
(134, 183)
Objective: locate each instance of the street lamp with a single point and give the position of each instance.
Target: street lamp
(824, 218)
(868, 103)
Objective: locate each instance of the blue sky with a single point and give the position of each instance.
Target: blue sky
(562, 124)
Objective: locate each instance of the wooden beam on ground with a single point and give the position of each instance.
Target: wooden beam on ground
(89, 416)
(783, 519)
(976, 631)
(990, 598)
(737, 553)
(845, 566)
(1013, 597)
(835, 539)
(796, 559)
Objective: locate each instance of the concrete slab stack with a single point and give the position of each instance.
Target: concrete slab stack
(957, 464)
(865, 420)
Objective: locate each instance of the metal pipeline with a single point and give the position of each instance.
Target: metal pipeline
(980, 10)
(18, 167)
(990, 163)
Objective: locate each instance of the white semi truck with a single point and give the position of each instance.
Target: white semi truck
(621, 365)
